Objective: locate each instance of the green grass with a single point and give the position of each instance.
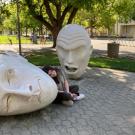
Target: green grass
(113, 63)
(50, 58)
(43, 58)
(5, 39)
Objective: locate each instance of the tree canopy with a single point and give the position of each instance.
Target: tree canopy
(52, 13)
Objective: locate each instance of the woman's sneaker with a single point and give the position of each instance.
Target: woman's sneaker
(80, 97)
(68, 103)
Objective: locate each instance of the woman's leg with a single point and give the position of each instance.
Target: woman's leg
(63, 96)
(74, 89)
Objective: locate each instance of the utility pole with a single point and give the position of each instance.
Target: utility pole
(18, 26)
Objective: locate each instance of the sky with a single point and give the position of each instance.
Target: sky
(6, 1)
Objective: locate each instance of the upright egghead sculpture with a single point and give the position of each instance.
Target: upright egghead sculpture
(23, 86)
(74, 49)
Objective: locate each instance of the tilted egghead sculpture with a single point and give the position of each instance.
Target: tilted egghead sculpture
(23, 86)
(74, 49)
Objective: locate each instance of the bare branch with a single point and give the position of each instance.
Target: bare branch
(66, 10)
(58, 8)
(41, 7)
(54, 2)
(42, 20)
(38, 16)
(72, 15)
(49, 12)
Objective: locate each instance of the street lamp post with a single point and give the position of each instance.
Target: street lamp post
(18, 26)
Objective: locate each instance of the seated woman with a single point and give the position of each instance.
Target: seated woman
(66, 94)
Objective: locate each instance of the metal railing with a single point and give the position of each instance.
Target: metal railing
(123, 41)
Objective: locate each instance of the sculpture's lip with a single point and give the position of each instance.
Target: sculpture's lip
(71, 69)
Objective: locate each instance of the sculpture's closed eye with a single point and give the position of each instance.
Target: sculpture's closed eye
(23, 86)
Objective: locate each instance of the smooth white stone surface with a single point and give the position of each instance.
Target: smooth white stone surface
(23, 86)
(74, 49)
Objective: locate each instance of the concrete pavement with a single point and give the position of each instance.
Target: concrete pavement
(108, 109)
(99, 46)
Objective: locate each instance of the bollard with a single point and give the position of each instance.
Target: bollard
(113, 50)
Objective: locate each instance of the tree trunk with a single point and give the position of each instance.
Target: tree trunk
(54, 41)
(91, 27)
(26, 31)
(91, 31)
(10, 32)
(41, 30)
(55, 22)
(55, 33)
(18, 26)
(55, 38)
(33, 30)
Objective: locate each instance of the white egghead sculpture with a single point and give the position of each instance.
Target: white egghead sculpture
(74, 49)
(23, 86)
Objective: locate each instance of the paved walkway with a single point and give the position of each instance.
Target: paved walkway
(108, 109)
(100, 48)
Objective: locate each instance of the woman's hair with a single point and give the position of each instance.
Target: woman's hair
(47, 68)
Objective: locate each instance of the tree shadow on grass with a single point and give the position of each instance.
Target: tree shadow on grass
(40, 58)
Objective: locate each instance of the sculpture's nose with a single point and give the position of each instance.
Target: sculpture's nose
(70, 58)
(11, 72)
